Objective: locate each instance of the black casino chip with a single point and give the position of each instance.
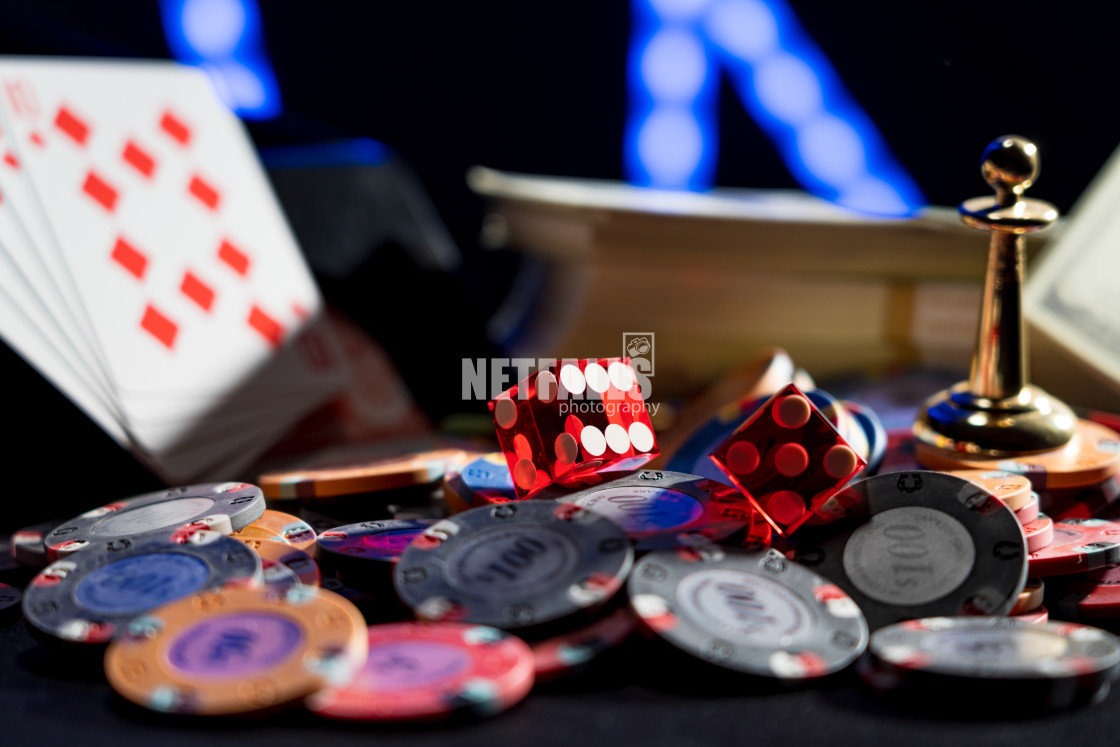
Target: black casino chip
(905, 545)
(515, 566)
(90, 596)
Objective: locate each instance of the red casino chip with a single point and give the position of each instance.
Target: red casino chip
(1030, 511)
(1078, 545)
(1094, 595)
(1039, 533)
(425, 671)
(1082, 503)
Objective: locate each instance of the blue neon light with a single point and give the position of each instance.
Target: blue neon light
(225, 38)
(671, 135)
(786, 84)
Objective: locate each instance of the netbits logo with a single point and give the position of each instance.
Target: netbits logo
(579, 392)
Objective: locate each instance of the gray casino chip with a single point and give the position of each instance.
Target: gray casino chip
(223, 507)
(959, 660)
(515, 565)
(753, 612)
(906, 545)
(88, 597)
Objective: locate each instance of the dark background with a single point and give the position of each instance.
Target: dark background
(540, 87)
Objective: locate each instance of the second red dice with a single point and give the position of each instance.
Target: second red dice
(787, 459)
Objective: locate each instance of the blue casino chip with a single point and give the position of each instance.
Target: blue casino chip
(875, 433)
(519, 565)
(89, 596)
(133, 585)
(487, 476)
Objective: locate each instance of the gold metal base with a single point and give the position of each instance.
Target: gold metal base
(958, 420)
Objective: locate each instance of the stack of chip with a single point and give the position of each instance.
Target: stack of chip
(1076, 553)
(1014, 491)
(121, 560)
(1081, 565)
(1091, 596)
(92, 595)
(1070, 544)
(1078, 480)
(1066, 486)
(209, 603)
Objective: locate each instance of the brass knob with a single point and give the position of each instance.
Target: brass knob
(1010, 165)
(997, 412)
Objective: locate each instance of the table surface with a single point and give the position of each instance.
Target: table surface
(638, 694)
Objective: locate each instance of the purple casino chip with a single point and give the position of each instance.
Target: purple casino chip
(370, 540)
(236, 645)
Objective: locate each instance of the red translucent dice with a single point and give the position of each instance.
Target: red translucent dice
(572, 419)
(787, 459)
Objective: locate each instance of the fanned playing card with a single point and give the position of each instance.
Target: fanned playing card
(156, 260)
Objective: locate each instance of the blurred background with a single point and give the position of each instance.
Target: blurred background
(542, 87)
(349, 100)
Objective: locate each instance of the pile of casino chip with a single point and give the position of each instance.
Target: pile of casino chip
(422, 584)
